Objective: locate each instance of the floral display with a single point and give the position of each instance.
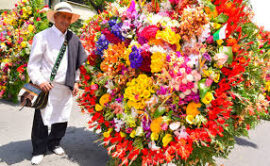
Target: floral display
(17, 28)
(173, 82)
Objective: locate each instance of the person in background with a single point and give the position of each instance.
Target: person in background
(45, 50)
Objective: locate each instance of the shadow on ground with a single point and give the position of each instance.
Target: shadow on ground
(78, 143)
(244, 142)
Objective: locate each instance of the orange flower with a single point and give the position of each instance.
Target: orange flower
(192, 109)
(231, 41)
(156, 125)
(105, 99)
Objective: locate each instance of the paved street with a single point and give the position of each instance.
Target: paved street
(15, 145)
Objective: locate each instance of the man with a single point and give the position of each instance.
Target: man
(45, 49)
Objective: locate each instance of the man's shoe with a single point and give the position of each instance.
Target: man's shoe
(59, 151)
(37, 159)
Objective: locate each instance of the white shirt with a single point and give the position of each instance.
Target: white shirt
(45, 49)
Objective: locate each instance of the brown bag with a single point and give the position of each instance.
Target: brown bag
(32, 96)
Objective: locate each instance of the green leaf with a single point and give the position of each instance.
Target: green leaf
(159, 112)
(203, 88)
(222, 18)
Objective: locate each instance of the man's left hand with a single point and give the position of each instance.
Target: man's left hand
(75, 89)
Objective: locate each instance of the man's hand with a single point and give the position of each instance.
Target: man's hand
(46, 86)
(75, 89)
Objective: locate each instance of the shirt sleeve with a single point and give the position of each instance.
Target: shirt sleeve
(35, 59)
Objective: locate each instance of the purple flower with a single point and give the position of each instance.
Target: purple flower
(162, 91)
(207, 57)
(101, 45)
(135, 58)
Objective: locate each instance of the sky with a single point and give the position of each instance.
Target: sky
(262, 13)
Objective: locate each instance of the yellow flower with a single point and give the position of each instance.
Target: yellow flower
(169, 36)
(23, 44)
(30, 28)
(208, 98)
(190, 119)
(157, 62)
(219, 42)
(105, 99)
(107, 133)
(267, 86)
(216, 25)
(133, 134)
(123, 134)
(98, 107)
(156, 125)
(192, 109)
(154, 136)
(167, 139)
(216, 77)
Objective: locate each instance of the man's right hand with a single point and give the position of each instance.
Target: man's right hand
(46, 86)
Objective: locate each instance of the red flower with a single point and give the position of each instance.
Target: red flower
(146, 61)
(111, 37)
(149, 32)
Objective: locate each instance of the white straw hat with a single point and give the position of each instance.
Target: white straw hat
(65, 8)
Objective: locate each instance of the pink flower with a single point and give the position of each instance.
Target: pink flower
(196, 75)
(210, 40)
(164, 126)
(94, 87)
(208, 82)
(221, 58)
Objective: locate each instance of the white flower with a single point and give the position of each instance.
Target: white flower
(182, 95)
(139, 131)
(187, 92)
(174, 126)
(152, 145)
(118, 124)
(157, 49)
(190, 78)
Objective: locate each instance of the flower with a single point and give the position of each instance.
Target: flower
(166, 139)
(154, 136)
(192, 109)
(156, 125)
(135, 58)
(98, 107)
(220, 58)
(105, 99)
(208, 98)
(157, 62)
(174, 125)
(190, 119)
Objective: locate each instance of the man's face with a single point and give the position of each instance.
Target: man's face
(62, 20)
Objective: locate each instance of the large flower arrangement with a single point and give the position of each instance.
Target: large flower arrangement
(173, 81)
(17, 28)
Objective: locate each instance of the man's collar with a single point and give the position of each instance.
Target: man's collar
(59, 33)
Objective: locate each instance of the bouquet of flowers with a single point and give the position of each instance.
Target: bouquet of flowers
(17, 28)
(173, 81)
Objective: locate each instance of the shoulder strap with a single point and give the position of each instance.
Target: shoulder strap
(58, 60)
